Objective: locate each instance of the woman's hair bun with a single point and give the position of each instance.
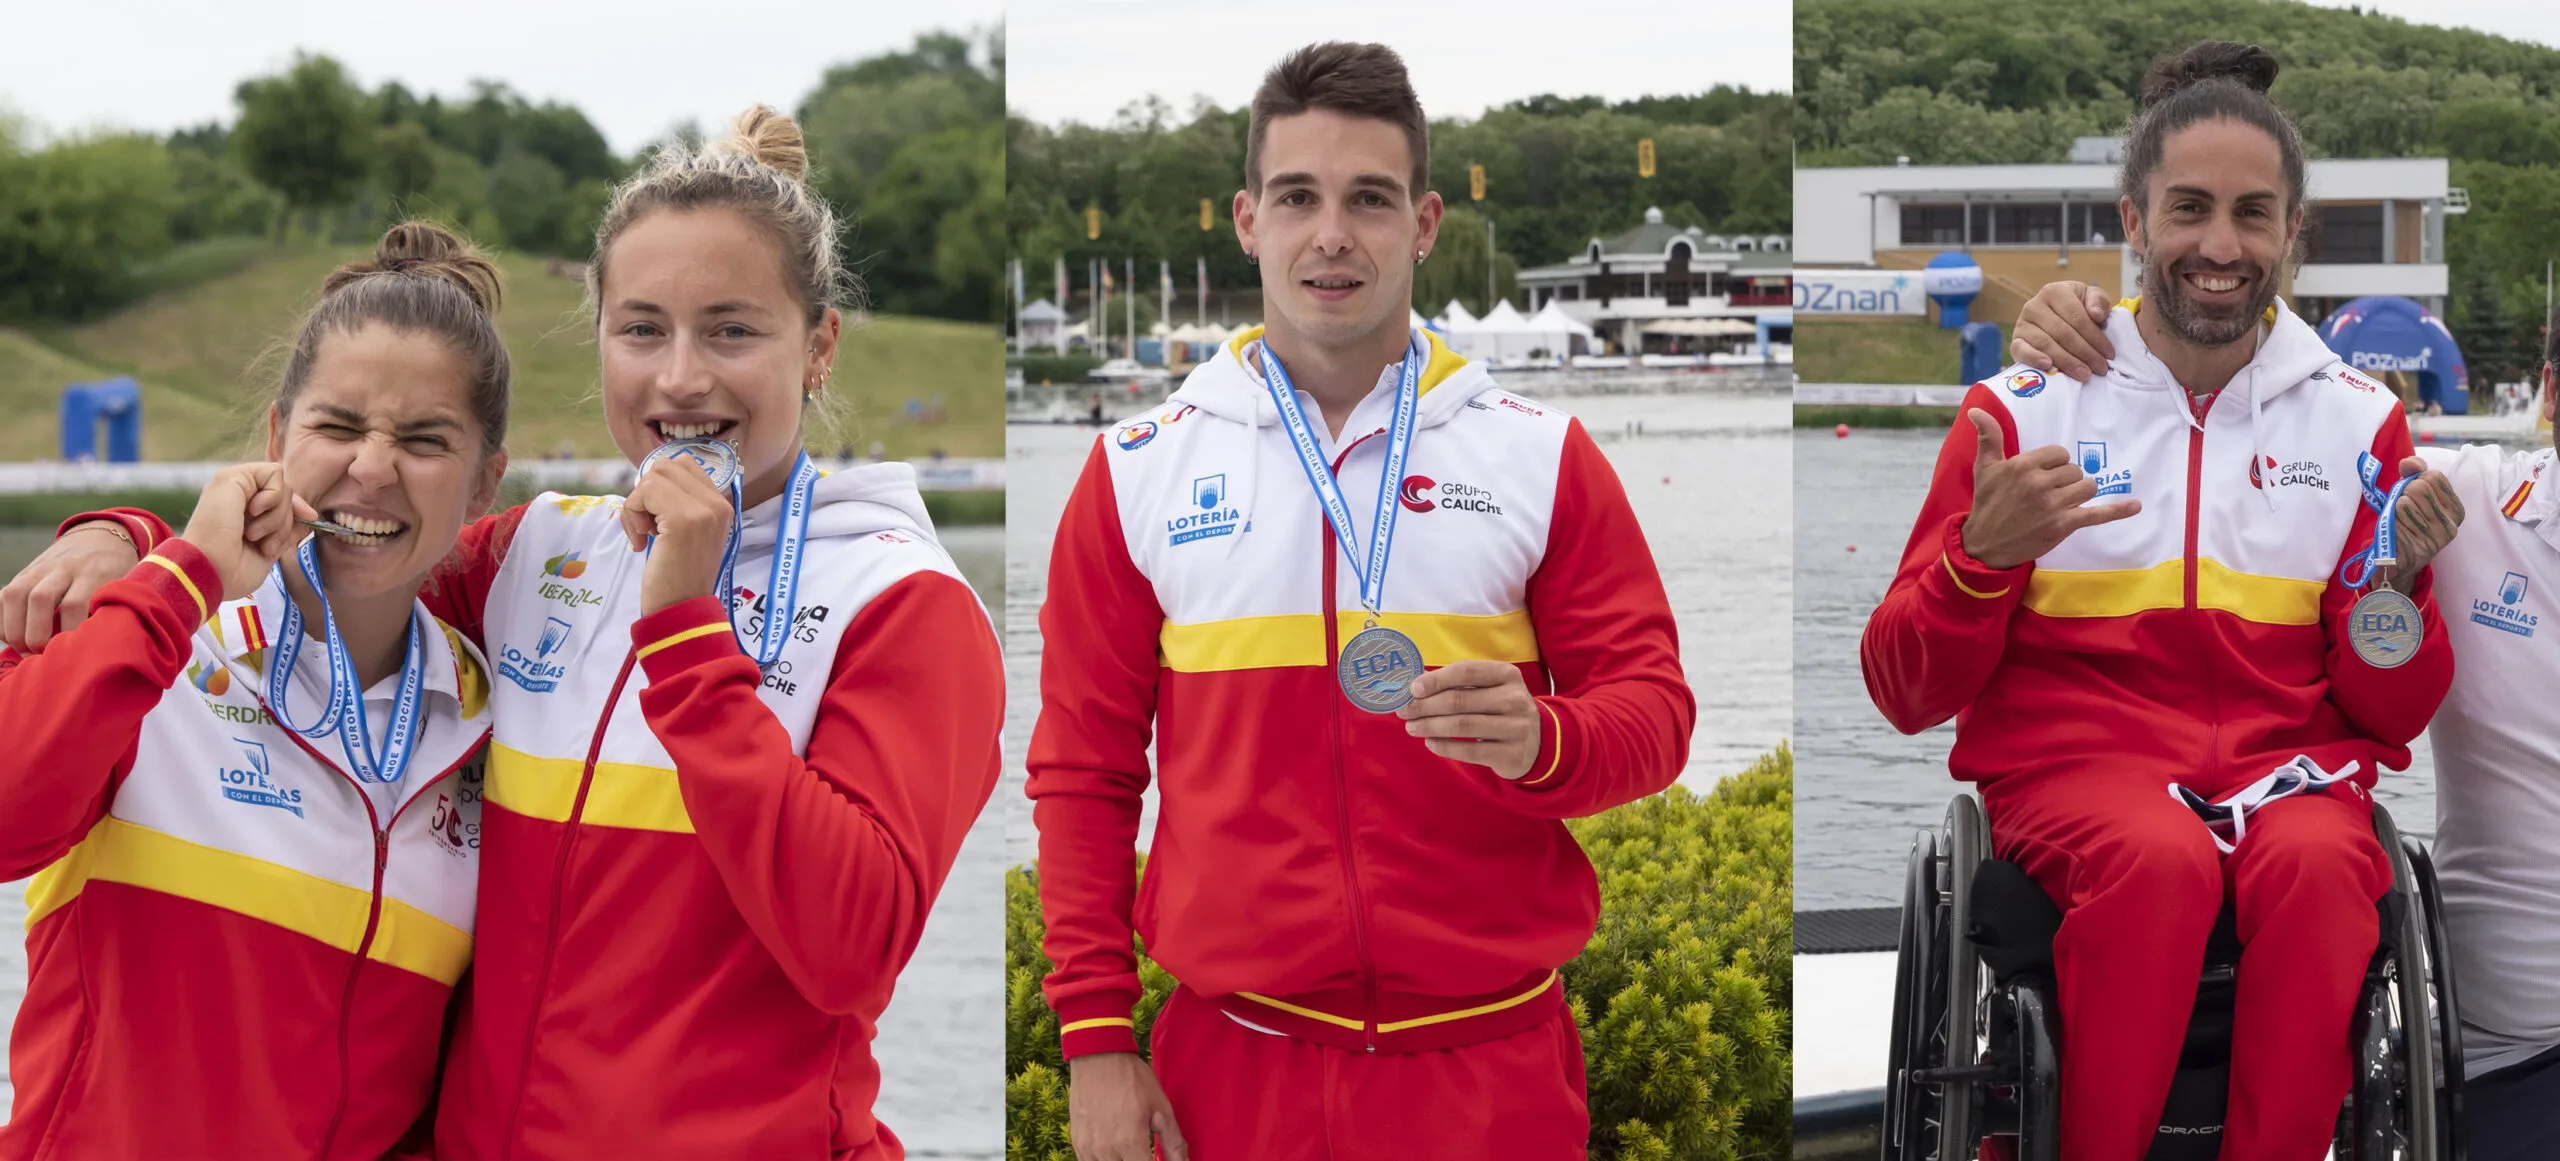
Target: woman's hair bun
(2207, 60)
(422, 249)
(772, 138)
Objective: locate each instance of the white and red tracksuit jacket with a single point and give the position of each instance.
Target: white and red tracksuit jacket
(232, 949)
(2203, 637)
(1316, 870)
(701, 881)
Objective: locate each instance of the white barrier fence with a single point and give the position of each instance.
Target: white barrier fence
(1881, 394)
(944, 475)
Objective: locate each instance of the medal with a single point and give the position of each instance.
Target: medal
(716, 458)
(790, 541)
(345, 711)
(2383, 627)
(1377, 667)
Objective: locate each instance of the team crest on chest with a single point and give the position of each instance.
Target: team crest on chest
(1208, 515)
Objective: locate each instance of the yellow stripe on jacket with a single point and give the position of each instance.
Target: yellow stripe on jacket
(623, 794)
(117, 851)
(1295, 639)
(2266, 600)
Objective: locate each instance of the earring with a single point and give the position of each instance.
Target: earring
(1419, 255)
(1252, 259)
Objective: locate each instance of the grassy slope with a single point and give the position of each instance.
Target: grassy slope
(193, 350)
(1832, 351)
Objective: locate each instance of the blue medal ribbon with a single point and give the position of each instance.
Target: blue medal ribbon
(345, 710)
(1373, 569)
(782, 582)
(790, 550)
(2384, 551)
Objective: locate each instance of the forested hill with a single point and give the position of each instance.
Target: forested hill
(1984, 81)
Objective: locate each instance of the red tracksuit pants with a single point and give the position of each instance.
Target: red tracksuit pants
(1243, 1095)
(2140, 883)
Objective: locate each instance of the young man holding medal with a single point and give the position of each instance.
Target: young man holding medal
(2177, 696)
(1386, 626)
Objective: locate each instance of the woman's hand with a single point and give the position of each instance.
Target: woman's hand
(2063, 329)
(676, 503)
(244, 523)
(51, 595)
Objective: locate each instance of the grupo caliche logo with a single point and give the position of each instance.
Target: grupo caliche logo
(1423, 494)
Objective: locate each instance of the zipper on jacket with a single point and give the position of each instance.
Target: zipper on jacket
(1342, 788)
(373, 916)
(2195, 609)
(559, 884)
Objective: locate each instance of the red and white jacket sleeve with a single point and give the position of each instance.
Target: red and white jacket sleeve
(1616, 728)
(456, 592)
(75, 710)
(2393, 705)
(1088, 765)
(1944, 621)
(834, 858)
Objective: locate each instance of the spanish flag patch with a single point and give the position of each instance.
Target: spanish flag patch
(253, 629)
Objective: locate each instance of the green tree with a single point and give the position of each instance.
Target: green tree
(302, 134)
(404, 160)
(1456, 268)
(76, 217)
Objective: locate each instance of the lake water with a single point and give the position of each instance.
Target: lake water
(1707, 478)
(941, 1041)
(1862, 787)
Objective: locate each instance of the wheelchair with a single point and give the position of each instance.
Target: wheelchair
(1975, 1062)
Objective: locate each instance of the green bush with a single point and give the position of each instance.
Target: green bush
(1055, 368)
(1684, 995)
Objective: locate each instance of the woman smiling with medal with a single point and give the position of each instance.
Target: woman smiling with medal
(247, 925)
(718, 814)
(745, 716)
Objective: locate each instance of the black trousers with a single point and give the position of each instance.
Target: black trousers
(2513, 1114)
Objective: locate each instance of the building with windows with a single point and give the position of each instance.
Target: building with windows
(1646, 290)
(2375, 226)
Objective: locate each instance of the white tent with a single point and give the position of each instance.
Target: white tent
(1456, 318)
(1553, 320)
(1504, 335)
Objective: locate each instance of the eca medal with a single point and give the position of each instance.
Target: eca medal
(718, 459)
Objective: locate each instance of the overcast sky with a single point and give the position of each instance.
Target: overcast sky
(635, 67)
(638, 67)
(1083, 59)
(2534, 20)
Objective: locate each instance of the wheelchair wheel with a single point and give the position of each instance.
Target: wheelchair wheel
(2392, 1108)
(2039, 1092)
(2446, 1012)
(1968, 842)
(1911, 1128)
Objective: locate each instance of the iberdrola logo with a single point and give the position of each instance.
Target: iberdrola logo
(212, 680)
(566, 566)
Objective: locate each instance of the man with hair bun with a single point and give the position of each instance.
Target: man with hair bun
(2497, 774)
(1367, 728)
(2145, 594)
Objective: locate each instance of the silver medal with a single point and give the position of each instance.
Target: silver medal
(716, 458)
(1378, 668)
(2384, 629)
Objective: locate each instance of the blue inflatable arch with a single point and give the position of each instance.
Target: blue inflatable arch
(2385, 333)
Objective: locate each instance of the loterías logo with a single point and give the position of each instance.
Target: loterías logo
(1417, 493)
